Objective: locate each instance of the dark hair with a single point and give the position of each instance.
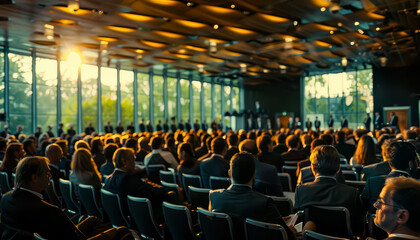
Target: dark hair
(327, 138)
(109, 151)
(218, 145)
(3, 143)
(189, 159)
(281, 139)
(131, 143)
(365, 152)
(315, 143)
(410, 134)
(109, 140)
(340, 136)
(292, 141)
(263, 142)
(251, 135)
(81, 144)
(405, 194)
(325, 160)
(156, 142)
(208, 142)
(27, 143)
(400, 154)
(233, 139)
(9, 157)
(248, 145)
(28, 167)
(143, 143)
(242, 167)
(96, 142)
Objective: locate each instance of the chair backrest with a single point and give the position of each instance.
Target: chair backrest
(291, 170)
(357, 184)
(152, 171)
(219, 182)
(167, 176)
(256, 230)
(38, 237)
(52, 194)
(190, 180)
(199, 197)
(333, 221)
(4, 183)
(88, 200)
(67, 193)
(283, 204)
(215, 226)
(112, 205)
(178, 221)
(350, 175)
(142, 214)
(374, 231)
(309, 235)
(285, 181)
(171, 187)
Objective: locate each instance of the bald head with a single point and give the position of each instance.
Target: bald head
(249, 146)
(54, 153)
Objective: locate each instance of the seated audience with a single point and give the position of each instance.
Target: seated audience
(239, 201)
(97, 151)
(381, 168)
(232, 141)
(281, 146)
(266, 155)
(189, 163)
(347, 150)
(14, 152)
(293, 155)
(30, 147)
(144, 150)
(54, 155)
(157, 156)
(202, 150)
(215, 165)
(365, 152)
(108, 167)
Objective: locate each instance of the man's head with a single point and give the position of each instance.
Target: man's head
(325, 161)
(242, 168)
(33, 173)
(219, 146)
(109, 151)
(249, 146)
(292, 141)
(399, 155)
(264, 143)
(156, 142)
(397, 209)
(29, 146)
(54, 153)
(124, 159)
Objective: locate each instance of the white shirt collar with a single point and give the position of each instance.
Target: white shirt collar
(36, 193)
(156, 151)
(320, 176)
(215, 154)
(400, 235)
(400, 171)
(54, 166)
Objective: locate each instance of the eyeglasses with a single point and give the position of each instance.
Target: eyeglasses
(378, 204)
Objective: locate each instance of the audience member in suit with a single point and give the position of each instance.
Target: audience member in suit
(297, 124)
(158, 156)
(38, 132)
(181, 125)
(202, 150)
(401, 157)
(24, 210)
(49, 132)
(308, 124)
(330, 122)
(171, 147)
(378, 121)
(204, 126)
(89, 129)
(398, 210)
(411, 137)
(119, 129)
(305, 140)
(60, 130)
(142, 127)
(159, 126)
(239, 201)
(196, 126)
(54, 154)
(108, 128)
(64, 164)
(344, 148)
(144, 150)
(166, 126)
(394, 122)
(325, 191)
(14, 152)
(84, 171)
(365, 152)
(188, 126)
(344, 122)
(281, 146)
(70, 131)
(293, 155)
(149, 127)
(29, 146)
(215, 165)
(307, 162)
(173, 125)
(97, 150)
(19, 130)
(233, 146)
(317, 124)
(189, 163)
(108, 167)
(131, 128)
(3, 145)
(5, 133)
(367, 121)
(266, 155)
(208, 146)
(266, 179)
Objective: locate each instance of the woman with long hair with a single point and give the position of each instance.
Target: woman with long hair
(365, 152)
(14, 152)
(84, 171)
(189, 163)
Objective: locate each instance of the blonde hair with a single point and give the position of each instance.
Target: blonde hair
(83, 163)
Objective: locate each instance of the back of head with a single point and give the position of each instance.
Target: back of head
(242, 167)
(54, 153)
(81, 144)
(249, 146)
(109, 151)
(120, 155)
(218, 145)
(27, 145)
(131, 143)
(263, 143)
(410, 134)
(340, 136)
(305, 139)
(400, 155)
(233, 139)
(316, 142)
(28, 167)
(3, 144)
(327, 138)
(252, 135)
(325, 160)
(156, 142)
(96, 144)
(292, 141)
(366, 151)
(82, 162)
(63, 144)
(10, 151)
(405, 193)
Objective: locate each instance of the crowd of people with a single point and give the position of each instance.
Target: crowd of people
(253, 159)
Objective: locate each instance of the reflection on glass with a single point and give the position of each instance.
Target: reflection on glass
(69, 94)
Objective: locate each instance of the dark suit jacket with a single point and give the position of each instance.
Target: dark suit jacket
(378, 122)
(200, 151)
(317, 124)
(108, 129)
(173, 127)
(107, 168)
(158, 127)
(273, 159)
(266, 179)
(293, 156)
(131, 128)
(187, 126)
(180, 126)
(344, 123)
(213, 166)
(56, 174)
(367, 121)
(149, 128)
(230, 152)
(330, 122)
(240, 202)
(306, 175)
(308, 125)
(377, 169)
(204, 126)
(196, 127)
(394, 121)
(280, 148)
(165, 127)
(325, 191)
(23, 210)
(346, 149)
(142, 127)
(89, 130)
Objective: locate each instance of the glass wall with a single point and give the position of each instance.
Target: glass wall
(185, 100)
(109, 96)
(346, 94)
(208, 101)
(127, 97)
(196, 85)
(159, 105)
(227, 90)
(143, 90)
(69, 74)
(2, 82)
(217, 103)
(46, 89)
(172, 97)
(89, 95)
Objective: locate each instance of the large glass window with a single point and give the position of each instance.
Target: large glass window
(158, 104)
(109, 96)
(46, 88)
(1, 84)
(217, 102)
(89, 95)
(143, 90)
(172, 97)
(196, 100)
(127, 97)
(20, 92)
(208, 102)
(69, 74)
(338, 94)
(185, 100)
(227, 90)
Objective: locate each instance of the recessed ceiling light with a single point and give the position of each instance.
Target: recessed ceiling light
(121, 29)
(323, 9)
(216, 26)
(137, 17)
(378, 29)
(340, 24)
(356, 23)
(232, 6)
(361, 31)
(331, 32)
(352, 43)
(153, 44)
